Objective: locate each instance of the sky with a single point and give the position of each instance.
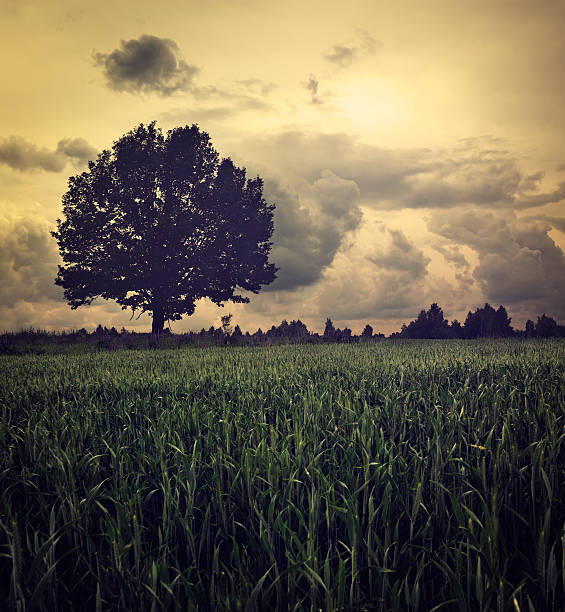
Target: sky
(415, 151)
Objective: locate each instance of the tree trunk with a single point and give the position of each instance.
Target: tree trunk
(158, 323)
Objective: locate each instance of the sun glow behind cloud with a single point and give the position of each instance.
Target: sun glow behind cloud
(372, 106)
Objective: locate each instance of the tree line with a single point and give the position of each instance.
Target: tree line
(485, 322)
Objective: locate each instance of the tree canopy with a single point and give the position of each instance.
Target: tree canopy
(484, 322)
(159, 221)
(430, 324)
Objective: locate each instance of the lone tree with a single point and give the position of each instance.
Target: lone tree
(158, 222)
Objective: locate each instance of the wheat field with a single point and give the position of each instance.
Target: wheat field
(407, 475)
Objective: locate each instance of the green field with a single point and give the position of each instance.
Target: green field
(389, 476)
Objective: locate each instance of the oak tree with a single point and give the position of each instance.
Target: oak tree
(159, 222)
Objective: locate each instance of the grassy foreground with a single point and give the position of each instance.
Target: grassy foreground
(391, 476)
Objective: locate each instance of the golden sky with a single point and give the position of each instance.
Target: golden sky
(415, 150)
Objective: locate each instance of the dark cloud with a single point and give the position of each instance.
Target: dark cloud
(22, 155)
(337, 200)
(77, 149)
(308, 235)
(388, 179)
(28, 262)
(297, 251)
(378, 172)
(19, 154)
(464, 176)
(556, 222)
(312, 85)
(147, 64)
(519, 263)
(540, 199)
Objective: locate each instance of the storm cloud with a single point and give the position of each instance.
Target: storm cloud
(19, 154)
(472, 173)
(309, 230)
(146, 64)
(519, 263)
(28, 262)
(78, 150)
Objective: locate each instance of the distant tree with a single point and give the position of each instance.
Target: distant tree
(456, 329)
(487, 318)
(487, 322)
(471, 327)
(226, 324)
(237, 336)
(283, 329)
(100, 331)
(367, 332)
(158, 222)
(329, 330)
(298, 330)
(502, 323)
(430, 324)
(436, 321)
(530, 330)
(546, 327)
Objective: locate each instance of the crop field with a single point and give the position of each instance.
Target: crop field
(408, 475)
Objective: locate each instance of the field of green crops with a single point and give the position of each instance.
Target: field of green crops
(411, 475)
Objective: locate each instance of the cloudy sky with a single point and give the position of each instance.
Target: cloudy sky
(415, 151)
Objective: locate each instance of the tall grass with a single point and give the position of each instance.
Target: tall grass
(395, 476)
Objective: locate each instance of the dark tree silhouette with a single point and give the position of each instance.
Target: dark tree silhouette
(226, 324)
(329, 330)
(237, 336)
(502, 323)
(546, 327)
(295, 330)
(455, 329)
(430, 324)
(298, 330)
(367, 332)
(158, 222)
(487, 322)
